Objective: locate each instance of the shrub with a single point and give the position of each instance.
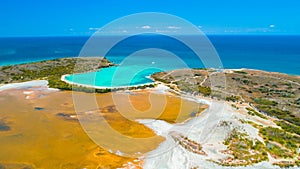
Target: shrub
(240, 72)
(281, 114)
(289, 127)
(233, 98)
(206, 91)
(264, 101)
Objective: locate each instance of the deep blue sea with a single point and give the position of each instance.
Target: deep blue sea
(270, 53)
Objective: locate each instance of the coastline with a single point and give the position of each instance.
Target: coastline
(195, 129)
(23, 85)
(63, 78)
(102, 87)
(265, 71)
(163, 129)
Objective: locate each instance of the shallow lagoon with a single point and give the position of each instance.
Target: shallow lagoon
(114, 77)
(133, 70)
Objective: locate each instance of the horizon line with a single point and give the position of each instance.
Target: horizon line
(207, 34)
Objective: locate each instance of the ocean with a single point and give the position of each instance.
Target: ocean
(271, 53)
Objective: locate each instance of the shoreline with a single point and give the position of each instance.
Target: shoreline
(72, 57)
(102, 87)
(265, 71)
(63, 78)
(43, 82)
(27, 84)
(194, 129)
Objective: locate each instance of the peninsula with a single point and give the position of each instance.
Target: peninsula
(258, 125)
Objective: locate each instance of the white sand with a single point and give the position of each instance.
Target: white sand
(205, 130)
(161, 89)
(24, 85)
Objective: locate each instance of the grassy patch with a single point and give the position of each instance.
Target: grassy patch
(52, 70)
(263, 101)
(162, 77)
(281, 114)
(278, 152)
(289, 143)
(186, 86)
(243, 150)
(233, 98)
(255, 113)
(289, 127)
(255, 125)
(206, 91)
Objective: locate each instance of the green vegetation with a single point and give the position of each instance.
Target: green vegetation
(286, 93)
(288, 127)
(281, 144)
(274, 96)
(185, 86)
(206, 91)
(92, 90)
(280, 114)
(277, 151)
(243, 149)
(240, 72)
(287, 164)
(166, 78)
(236, 78)
(297, 101)
(225, 123)
(200, 68)
(278, 143)
(234, 106)
(275, 136)
(52, 70)
(233, 98)
(255, 113)
(53, 75)
(264, 89)
(255, 125)
(263, 101)
(55, 82)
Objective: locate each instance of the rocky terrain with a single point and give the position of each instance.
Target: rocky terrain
(269, 103)
(259, 125)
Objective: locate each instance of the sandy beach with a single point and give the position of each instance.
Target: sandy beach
(24, 85)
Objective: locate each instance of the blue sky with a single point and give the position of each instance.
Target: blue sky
(79, 17)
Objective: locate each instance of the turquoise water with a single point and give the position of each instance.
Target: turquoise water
(138, 58)
(270, 53)
(115, 77)
(134, 70)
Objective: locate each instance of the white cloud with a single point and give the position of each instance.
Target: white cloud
(146, 27)
(174, 27)
(272, 26)
(162, 31)
(94, 29)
